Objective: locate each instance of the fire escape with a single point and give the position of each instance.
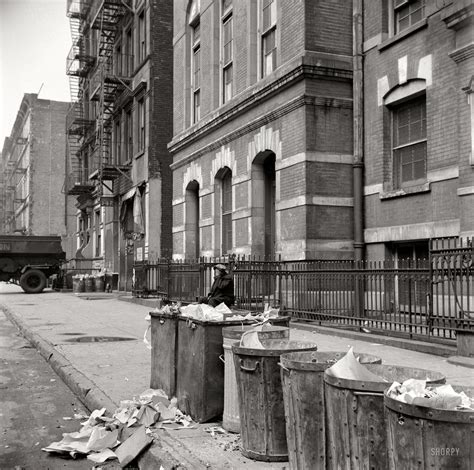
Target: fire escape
(79, 122)
(98, 79)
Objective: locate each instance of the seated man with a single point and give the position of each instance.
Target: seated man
(222, 289)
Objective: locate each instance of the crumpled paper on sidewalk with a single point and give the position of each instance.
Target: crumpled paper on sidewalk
(444, 397)
(127, 433)
(348, 367)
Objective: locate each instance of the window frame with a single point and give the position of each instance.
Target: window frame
(141, 123)
(268, 31)
(227, 59)
(399, 149)
(141, 36)
(400, 5)
(196, 71)
(128, 137)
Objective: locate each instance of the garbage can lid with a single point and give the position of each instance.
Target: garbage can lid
(235, 332)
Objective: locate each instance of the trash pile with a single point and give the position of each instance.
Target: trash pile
(444, 397)
(127, 433)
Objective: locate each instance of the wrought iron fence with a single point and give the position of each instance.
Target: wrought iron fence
(415, 298)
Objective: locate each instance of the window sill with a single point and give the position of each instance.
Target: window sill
(407, 191)
(405, 33)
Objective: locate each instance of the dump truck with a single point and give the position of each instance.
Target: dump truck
(30, 260)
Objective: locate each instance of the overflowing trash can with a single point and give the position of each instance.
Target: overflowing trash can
(262, 417)
(355, 415)
(164, 337)
(424, 437)
(89, 283)
(231, 334)
(302, 376)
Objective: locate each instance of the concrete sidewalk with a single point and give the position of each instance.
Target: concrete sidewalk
(102, 373)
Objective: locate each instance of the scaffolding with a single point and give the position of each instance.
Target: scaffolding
(97, 79)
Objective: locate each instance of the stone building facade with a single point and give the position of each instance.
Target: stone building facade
(419, 163)
(262, 140)
(32, 201)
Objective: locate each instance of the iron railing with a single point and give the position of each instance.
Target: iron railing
(418, 299)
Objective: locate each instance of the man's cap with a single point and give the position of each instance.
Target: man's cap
(220, 267)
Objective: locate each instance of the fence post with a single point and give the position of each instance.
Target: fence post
(359, 290)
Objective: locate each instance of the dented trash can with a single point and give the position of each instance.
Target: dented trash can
(425, 438)
(355, 415)
(231, 334)
(302, 376)
(262, 417)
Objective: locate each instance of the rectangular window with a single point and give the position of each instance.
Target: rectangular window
(227, 51)
(128, 135)
(97, 234)
(141, 38)
(141, 125)
(409, 142)
(118, 142)
(118, 66)
(196, 73)
(268, 39)
(407, 13)
(128, 53)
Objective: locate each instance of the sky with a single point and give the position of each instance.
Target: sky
(34, 42)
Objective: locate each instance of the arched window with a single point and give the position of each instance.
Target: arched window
(226, 211)
(191, 228)
(263, 198)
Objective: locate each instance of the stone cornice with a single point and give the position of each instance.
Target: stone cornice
(463, 53)
(256, 95)
(261, 121)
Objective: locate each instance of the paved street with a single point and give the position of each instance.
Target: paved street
(34, 403)
(105, 372)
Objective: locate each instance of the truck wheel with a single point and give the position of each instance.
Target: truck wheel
(33, 281)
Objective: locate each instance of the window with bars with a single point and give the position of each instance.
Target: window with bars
(227, 50)
(196, 72)
(407, 13)
(409, 142)
(226, 212)
(268, 37)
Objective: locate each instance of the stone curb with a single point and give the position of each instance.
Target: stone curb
(413, 345)
(161, 453)
(462, 361)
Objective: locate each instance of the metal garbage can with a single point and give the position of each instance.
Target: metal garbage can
(426, 438)
(262, 416)
(355, 416)
(89, 284)
(231, 334)
(77, 284)
(164, 337)
(302, 376)
(100, 283)
(200, 370)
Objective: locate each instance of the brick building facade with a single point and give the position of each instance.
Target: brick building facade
(262, 145)
(120, 67)
(419, 166)
(31, 200)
